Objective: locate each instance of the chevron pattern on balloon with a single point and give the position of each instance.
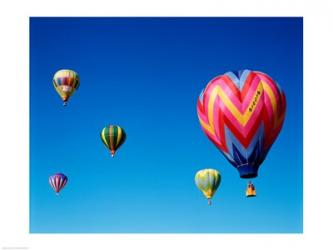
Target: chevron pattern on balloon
(242, 114)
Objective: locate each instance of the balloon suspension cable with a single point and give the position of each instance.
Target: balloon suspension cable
(65, 103)
(57, 193)
(249, 184)
(209, 201)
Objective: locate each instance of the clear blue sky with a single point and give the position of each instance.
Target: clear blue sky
(145, 74)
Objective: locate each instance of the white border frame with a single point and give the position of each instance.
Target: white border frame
(14, 132)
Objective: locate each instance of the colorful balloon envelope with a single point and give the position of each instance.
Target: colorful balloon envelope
(113, 137)
(208, 181)
(242, 113)
(58, 182)
(66, 82)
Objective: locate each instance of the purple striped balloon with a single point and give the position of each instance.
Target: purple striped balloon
(58, 182)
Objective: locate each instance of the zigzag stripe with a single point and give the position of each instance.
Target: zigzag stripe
(244, 121)
(226, 87)
(220, 119)
(232, 141)
(220, 141)
(242, 106)
(241, 117)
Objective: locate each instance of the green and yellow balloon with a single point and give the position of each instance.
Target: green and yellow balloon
(113, 137)
(208, 181)
(66, 82)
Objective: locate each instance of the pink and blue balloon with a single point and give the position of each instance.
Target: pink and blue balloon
(58, 182)
(242, 113)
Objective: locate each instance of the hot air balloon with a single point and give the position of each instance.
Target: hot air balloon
(242, 113)
(208, 180)
(113, 137)
(58, 182)
(66, 82)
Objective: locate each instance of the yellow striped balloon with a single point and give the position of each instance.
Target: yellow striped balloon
(66, 82)
(113, 137)
(208, 181)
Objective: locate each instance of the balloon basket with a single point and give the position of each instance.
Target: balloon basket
(250, 191)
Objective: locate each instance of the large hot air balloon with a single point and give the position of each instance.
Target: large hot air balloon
(58, 182)
(113, 137)
(242, 114)
(66, 82)
(208, 180)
